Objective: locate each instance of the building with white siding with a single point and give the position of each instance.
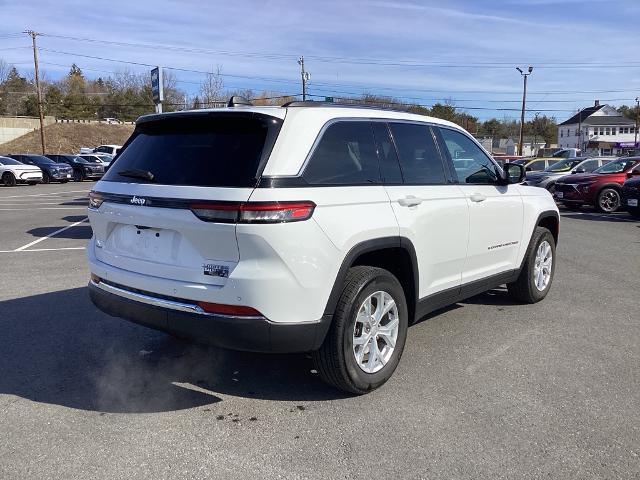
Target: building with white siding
(599, 130)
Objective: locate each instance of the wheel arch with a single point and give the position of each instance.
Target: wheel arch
(613, 185)
(395, 254)
(550, 220)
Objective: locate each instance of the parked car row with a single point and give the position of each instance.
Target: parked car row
(606, 183)
(33, 169)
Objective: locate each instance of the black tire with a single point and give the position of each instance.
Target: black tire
(335, 361)
(46, 178)
(609, 200)
(64, 181)
(524, 288)
(8, 179)
(634, 212)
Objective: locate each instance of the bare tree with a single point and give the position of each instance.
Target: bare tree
(211, 88)
(4, 70)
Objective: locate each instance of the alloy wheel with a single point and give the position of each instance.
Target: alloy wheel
(609, 200)
(542, 266)
(375, 331)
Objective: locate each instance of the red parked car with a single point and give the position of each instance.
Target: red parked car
(602, 188)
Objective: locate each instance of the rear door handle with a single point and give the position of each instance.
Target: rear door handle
(409, 201)
(477, 197)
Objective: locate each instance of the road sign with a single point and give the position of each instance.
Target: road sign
(156, 85)
(328, 99)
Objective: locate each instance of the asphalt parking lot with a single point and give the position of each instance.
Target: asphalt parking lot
(486, 388)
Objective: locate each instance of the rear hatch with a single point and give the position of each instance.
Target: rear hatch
(144, 210)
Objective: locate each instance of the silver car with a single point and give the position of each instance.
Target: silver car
(548, 177)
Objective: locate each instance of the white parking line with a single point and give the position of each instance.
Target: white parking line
(35, 204)
(43, 208)
(19, 249)
(44, 194)
(43, 250)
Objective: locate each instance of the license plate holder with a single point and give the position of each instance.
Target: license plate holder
(632, 202)
(560, 194)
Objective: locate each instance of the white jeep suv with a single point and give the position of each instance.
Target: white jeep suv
(311, 228)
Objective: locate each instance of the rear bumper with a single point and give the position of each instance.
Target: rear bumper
(234, 333)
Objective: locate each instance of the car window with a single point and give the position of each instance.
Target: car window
(589, 165)
(389, 165)
(563, 165)
(345, 154)
(9, 161)
(420, 160)
(537, 165)
(471, 164)
(616, 166)
(217, 150)
(40, 159)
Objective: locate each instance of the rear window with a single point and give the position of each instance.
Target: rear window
(222, 150)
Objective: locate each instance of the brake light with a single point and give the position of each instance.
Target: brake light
(95, 200)
(253, 212)
(234, 310)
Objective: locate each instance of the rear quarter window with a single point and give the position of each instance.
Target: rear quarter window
(344, 155)
(222, 150)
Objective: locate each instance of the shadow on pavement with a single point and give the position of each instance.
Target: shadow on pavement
(74, 218)
(601, 217)
(497, 296)
(79, 232)
(58, 348)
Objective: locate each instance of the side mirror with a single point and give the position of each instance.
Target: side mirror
(633, 173)
(579, 170)
(513, 173)
(528, 169)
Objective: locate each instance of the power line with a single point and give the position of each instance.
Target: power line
(356, 60)
(380, 88)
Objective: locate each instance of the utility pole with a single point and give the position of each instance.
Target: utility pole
(524, 102)
(305, 78)
(33, 36)
(635, 142)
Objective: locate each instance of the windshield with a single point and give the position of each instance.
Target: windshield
(9, 161)
(209, 151)
(561, 154)
(563, 165)
(40, 159)
(78, 159)
(520, 161)
(617, 166)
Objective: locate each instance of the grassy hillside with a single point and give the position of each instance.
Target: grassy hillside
(69, 137)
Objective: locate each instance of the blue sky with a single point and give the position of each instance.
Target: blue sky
(423, 51)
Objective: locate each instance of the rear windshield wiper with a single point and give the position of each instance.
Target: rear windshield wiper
(137, 173)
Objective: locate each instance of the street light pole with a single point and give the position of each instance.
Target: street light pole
(524, 103)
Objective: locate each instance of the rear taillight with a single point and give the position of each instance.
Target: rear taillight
(253, 212)
(231, 310)
(95, 200)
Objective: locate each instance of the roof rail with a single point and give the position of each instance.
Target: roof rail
(238, 100)
(372, 106)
